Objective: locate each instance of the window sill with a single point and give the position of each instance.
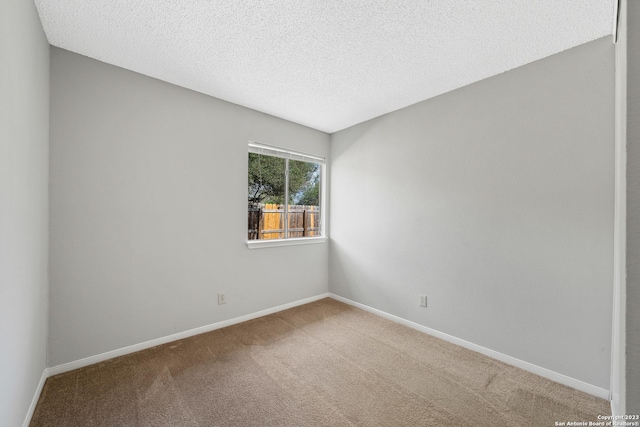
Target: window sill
(259, 244)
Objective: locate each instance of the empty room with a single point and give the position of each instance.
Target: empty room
(336, 213)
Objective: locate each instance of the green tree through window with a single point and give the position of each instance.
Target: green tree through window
(267, 180)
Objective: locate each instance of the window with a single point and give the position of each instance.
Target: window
(284, 197)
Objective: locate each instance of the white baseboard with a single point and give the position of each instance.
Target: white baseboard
(36, 396)
(543, 372)
(66, 367)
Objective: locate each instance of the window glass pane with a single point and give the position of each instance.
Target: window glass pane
(304, 199)
(266, 193)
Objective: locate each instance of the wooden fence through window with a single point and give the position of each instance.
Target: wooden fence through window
(266, 221)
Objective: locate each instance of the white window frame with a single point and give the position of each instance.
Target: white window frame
(269, 150)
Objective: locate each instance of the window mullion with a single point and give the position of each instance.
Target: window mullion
(286, 199)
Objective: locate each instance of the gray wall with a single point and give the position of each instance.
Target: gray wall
(496, 201)
(633, 210)
(148, 211)
(24, 149)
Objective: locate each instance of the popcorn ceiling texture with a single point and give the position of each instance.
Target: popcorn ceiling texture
(326, 64)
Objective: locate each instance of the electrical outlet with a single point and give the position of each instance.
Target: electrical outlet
(222, 299)
(423, 300)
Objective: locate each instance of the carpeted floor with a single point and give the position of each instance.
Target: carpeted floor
(320, 364)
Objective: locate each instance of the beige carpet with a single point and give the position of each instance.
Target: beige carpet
(321, 364)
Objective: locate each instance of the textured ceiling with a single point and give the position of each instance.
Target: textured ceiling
(327, 64)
